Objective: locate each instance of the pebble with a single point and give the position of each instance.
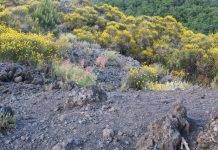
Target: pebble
(24, 138)
(18, 79)
(41, 137)
(57, 147)
(7, 142)
(112, 109)
(108, 134)
(126, 142)
(105, 107)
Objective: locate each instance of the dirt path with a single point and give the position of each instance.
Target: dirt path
(41, 123)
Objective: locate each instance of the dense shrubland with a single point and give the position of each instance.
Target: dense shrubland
(149, 39)
(198, 15)
(23, 47)
(183, 53)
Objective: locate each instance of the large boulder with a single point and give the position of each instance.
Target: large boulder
(208, 139)
(13, 72)
(83, 96)
(166, 133)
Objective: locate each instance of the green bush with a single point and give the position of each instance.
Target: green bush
(20, 17)
(198, 15)
(71, 72)
(47, 14)
(6, 121)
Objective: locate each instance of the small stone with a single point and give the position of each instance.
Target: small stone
(18, 79)
(41, 137)
(203, 96)
(83, 121)
(108, 134)
(7, 142)
(3, 76)
(88, 108)
(62, 117)
(126, 142)
(58, 146)
(112, 109)
(24, 138)
(105, 107)
(72, 143)
(100, 144)
(120, 133)
(60, 84)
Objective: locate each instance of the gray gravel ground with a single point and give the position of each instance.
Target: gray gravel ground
(41, 123)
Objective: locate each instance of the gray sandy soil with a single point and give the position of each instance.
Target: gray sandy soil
(42, 122)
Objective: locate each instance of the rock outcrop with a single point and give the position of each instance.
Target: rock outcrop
(208, 139)
(83, 96)
(166, 133)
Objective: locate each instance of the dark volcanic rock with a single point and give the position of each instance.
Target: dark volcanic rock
(167, 132)
(41, 127)
(69, 144)
(13, 72)
(83, 96)
(208, 139)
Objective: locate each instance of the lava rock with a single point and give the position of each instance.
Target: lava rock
(18, 79)
(70, 144)
(108, 134)
(208, 139)
(83, 96)
(3, 76)
(12, 72)
(166, 133)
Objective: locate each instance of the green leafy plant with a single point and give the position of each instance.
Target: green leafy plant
(47, 15)
(6, 121)
(77, 74)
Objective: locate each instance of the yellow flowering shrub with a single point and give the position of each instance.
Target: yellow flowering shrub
(214, 53)
(139, 77)
(154, 39)
(18, 46)
(84, 35)
(149, 39)
(111, 13)
(169, 86)
(81, 17)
